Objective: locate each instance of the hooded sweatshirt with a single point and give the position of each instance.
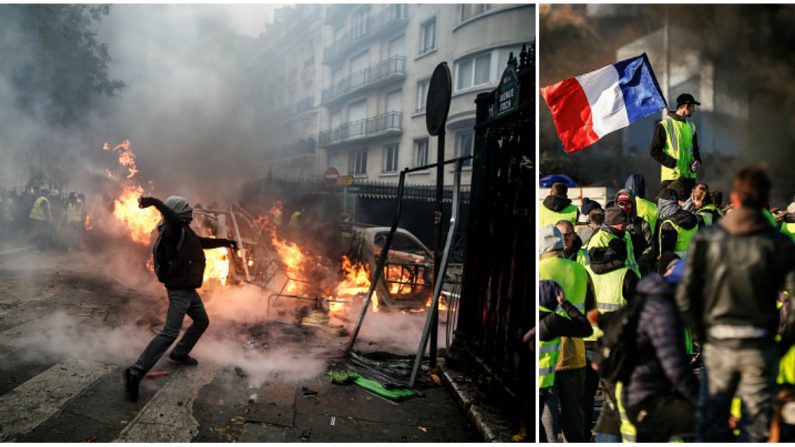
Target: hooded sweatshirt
(671, 210)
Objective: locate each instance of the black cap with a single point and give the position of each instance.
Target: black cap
(686, 98)
(614, 215)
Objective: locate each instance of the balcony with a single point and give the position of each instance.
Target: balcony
(389, 123)
(304, 105)
(391, 69)
(390, 18)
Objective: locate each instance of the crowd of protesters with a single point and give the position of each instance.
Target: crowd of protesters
(46, 218)
(712, 357)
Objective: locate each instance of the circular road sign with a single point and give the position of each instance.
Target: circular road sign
(438, 103)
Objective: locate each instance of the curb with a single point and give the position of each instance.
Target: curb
(491, 425)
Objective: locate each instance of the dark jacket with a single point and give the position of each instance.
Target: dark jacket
(185, 254)
(734, 273)
(636, 185)
(663, 363)
(552, 325)
(658, 141)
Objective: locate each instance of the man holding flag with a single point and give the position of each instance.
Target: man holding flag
(674, 144)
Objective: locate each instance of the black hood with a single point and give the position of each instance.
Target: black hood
(636, 184)
(556, 203)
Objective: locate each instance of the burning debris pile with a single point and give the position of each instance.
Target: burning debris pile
(270, 256)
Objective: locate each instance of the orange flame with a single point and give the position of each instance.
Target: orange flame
(292, 258)
(140, 222)
(356, 281)
(217, 265)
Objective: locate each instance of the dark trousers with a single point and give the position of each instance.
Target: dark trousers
(658, 418)
(570, 386)
(180, 302)
(591, 385)
(749, 373)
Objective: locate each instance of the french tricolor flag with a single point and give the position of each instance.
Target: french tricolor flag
(587, 107)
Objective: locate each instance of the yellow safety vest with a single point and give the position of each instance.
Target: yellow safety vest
(548, 353)
(608, 290)
(678, 145)
(786, 368)
(789, 230)
(41, 210)
(295, 220)
(548, 217)
(628, 431)
(769, 216)
(706, 213)
(647, 210)
(571, 277)
(601, 239)
(74, 213)
(683, 238)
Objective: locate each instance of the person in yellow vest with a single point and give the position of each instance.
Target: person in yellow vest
(675, 146)
(612, 268)
(551, 327)
(706, 211)
(677, 225)
(645, 209)
(594, 218)
(788, 223)
(74, 221)
(640, 231)
(728, 297)
(41, 220)
(572, 244)
(570, 371)
(556, 207)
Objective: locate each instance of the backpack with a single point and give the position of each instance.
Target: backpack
(160, 256)
(617, 355)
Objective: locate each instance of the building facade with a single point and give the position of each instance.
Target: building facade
(374, 64)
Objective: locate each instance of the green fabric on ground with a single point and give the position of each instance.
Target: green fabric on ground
(344, 377)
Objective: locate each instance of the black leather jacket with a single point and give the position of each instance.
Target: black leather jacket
(734, 272)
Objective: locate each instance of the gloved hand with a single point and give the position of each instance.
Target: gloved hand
(146, 202)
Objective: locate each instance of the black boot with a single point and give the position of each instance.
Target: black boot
(131, 382)
(183, 359)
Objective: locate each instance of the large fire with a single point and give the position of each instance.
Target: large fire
(217, 265)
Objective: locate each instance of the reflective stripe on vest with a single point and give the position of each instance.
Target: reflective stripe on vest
(683, 238)
(609, 291)
(679, 146)
(548, 217)
(647, 210)
(548, 353)
(570, 276)
(628, 431)
(789, 230)
(40, 210)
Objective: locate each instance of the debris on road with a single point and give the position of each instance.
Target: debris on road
(422, 429)
(239, 371)
(91, 438)
(308, 392)
(154, 374)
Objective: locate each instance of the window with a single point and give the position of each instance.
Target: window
(420, 152)
(473, 71)
(394, 101)
(471, 10)
(358, 163)
(397, 47)
(360, 24)
(428, 36)
(422, 94)
(391, 157)
(465, 145)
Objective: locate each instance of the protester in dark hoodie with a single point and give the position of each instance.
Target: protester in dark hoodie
(185, 273)
(677, 225)
(639, 230)
(557, 207)
(728, 297)
(660, 396)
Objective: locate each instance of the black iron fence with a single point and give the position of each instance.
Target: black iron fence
(498, 292)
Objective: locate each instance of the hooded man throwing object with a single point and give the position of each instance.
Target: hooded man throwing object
(179, 264)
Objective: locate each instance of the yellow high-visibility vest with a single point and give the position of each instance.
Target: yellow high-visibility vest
(41, 210)
(548, 353)
(789, 230)
(678, 145)
(683, 238)
(548, 217)
(647, 210)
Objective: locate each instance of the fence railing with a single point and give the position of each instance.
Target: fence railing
(368, 127)
(393, 67)
(388, 17)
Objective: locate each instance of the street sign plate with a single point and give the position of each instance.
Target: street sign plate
(437, 105)
(506, 95)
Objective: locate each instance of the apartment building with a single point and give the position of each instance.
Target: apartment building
(376, 63)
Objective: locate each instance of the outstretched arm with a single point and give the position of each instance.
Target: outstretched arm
(208, 242)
